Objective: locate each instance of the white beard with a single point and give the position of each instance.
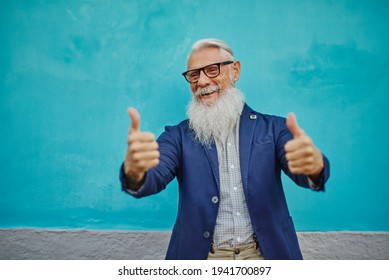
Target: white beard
(215, 121)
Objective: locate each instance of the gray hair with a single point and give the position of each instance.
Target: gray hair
(211, 42)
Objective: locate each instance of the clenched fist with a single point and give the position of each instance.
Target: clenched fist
(142, 151)
(302, 155)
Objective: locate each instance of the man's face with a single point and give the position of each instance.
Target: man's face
(228, 73)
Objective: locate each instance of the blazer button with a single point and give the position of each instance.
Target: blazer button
(206, 234)
(253, 117)
(215, 199)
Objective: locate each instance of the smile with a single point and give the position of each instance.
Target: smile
(209, 93)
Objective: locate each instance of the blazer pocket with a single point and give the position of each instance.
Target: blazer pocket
(268, 139)
(264, 145)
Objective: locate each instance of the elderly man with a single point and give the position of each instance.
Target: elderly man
(227, 159)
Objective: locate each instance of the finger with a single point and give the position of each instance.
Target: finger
(300, 154)
(299, 143)
(146, 155)
(135, 120)
(300, 157)
(305, 169)
(143, 147)
(141, 137)
(301, 165)
(145, 165)
(297, 170)
(292, 125)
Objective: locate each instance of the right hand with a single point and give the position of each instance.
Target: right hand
(142, 150)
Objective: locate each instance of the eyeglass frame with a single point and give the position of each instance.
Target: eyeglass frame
(202, 69)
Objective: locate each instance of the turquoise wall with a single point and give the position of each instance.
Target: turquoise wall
(70, 69)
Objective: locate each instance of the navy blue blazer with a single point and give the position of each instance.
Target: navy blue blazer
(262, 157)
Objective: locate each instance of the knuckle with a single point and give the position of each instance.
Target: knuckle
(155, 145)
(307, 140)
(136, 157)
(148, 135)
(130, 139)
(142, 164)
(133, 136)
(132, 148)
(310, 150)
(155, 162)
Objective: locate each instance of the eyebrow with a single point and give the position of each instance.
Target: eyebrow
(222, 62)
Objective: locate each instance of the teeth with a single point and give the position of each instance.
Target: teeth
(208, 93)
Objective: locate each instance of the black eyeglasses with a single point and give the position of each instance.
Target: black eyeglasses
(211, 71)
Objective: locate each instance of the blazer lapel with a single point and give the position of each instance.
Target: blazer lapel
(248, 122)
(247, 125)
(211, 153)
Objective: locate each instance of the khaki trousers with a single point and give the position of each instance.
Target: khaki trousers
(244, 252)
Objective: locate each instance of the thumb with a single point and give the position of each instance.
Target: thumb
(135, 120)
(292, 125)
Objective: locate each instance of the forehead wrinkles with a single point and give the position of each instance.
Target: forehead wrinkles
(206, 56)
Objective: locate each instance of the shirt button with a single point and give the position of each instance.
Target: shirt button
(229, 144)
(232, 166)
(237, 252)
(215, 199)
(238, 214)
(235, 188)
(206, 234)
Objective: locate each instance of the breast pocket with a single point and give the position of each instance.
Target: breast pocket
(264, 145)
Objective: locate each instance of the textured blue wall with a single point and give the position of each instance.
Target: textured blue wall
(69, 70)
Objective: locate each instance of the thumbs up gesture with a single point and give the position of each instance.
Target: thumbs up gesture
(302, 156)
(142, 151)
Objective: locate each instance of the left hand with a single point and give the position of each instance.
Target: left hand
(302, 156)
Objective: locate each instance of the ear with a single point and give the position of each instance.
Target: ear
(236, 69)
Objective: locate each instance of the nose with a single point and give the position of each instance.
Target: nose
(204, 80)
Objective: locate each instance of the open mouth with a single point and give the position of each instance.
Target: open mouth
(208, 93)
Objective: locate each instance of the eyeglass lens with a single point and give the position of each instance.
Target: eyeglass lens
(211, 71)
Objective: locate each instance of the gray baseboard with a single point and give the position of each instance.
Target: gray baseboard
(44, 244)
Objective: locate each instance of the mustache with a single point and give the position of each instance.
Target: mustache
(206, 90)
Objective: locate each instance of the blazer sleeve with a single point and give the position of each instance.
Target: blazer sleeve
(160, 176)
